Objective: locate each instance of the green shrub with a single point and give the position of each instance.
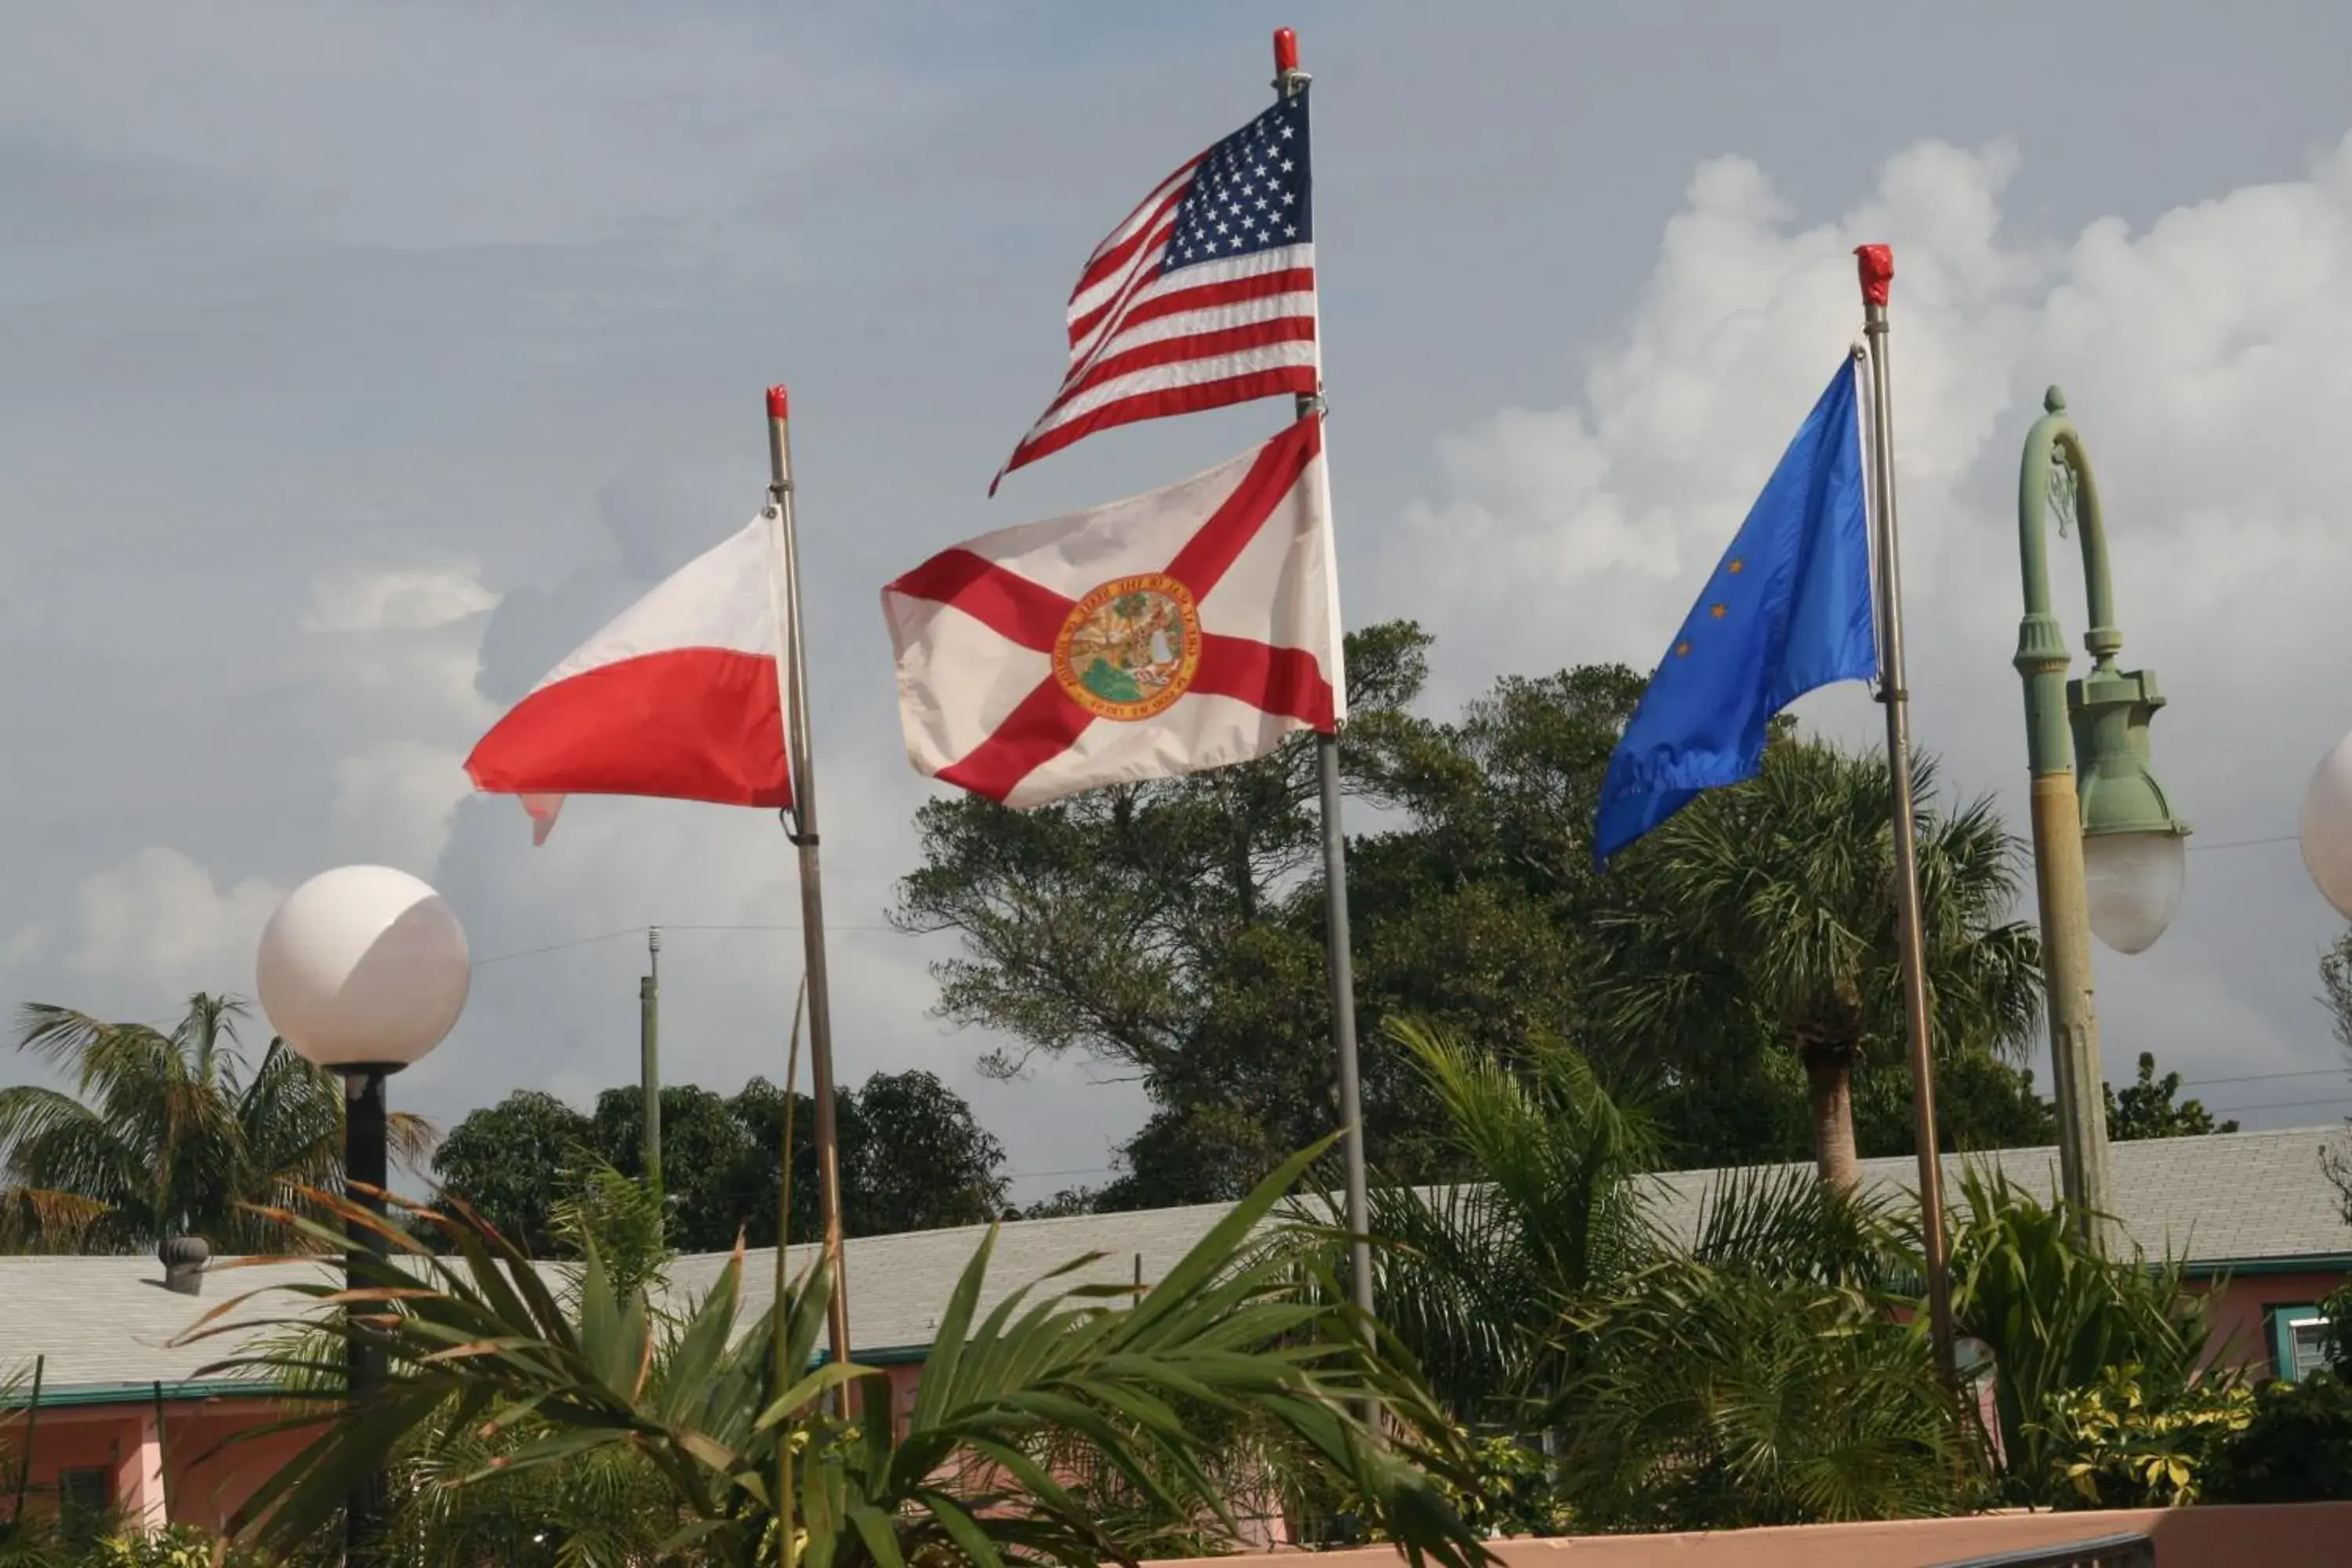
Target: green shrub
(174, 1546)
(2296, 1446)
(1518, 1495)
(2113, 1447)
(2061, 1321)
(2336, 1342)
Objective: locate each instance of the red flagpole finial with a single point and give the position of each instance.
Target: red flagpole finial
(1286, 50)
(779, 404)
(1875, 263)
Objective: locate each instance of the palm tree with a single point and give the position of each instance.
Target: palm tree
(502, 1379)
(1479, 1275)
(1723, 1399)
(1767, 913)
(1753, 1372)
(166, 1133)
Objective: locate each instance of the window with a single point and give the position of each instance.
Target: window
(2298, 1341)
(85, 1496)
(2306, 1346)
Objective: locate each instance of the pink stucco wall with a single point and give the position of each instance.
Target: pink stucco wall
(149, 1464)
(2238, 1335)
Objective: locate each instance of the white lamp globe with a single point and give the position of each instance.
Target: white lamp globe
(2328, 828)
(364, 968)
(2133, 881)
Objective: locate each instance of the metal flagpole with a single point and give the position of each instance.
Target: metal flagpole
(1339, 959)
(649, 1055)
(802, 826)
(1876, 266)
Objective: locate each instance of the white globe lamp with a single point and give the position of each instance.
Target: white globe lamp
(363, 970)
(2328, 828)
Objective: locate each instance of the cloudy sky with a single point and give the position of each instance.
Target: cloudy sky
(357, 361)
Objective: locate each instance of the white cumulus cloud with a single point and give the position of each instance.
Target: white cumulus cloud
(158, 922)
(395, 803)
(409, 599)
(2207, 359)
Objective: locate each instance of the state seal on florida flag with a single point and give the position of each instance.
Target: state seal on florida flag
(1183, 629)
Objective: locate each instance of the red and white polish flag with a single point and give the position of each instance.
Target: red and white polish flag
(1183, 629)
(681, 696)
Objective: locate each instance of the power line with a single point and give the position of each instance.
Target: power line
(2280, 1105)
(557, 947)
(2243, 843)
(1073, 1171)
(829, 926)
(639, 931)
(2264, 1076)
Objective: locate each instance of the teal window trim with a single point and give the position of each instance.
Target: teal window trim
(2279, 1319)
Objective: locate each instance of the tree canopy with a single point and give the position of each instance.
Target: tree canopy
(913, 1157)
(166, 1132)
(2151, 1107)
(1171, 931)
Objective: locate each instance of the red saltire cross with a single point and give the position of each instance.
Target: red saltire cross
(1282, 680)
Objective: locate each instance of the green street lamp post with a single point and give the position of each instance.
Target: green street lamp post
(2107, 849)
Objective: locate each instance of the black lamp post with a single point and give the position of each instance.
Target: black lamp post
(362, 971)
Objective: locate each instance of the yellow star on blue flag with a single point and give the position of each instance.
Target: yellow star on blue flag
(1785, 610)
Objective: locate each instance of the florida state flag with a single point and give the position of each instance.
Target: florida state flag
(1176, 631)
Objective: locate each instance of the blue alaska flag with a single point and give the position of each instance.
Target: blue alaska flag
(1787, 609)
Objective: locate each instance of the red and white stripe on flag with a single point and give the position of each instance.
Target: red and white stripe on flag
(1184, 629)
(1202, 296)
(681, 696)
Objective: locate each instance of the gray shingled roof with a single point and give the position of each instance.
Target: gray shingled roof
(2248, 1198)
(106, 1324)
(2225, 1198)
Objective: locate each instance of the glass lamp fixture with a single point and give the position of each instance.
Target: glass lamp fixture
(2135, 856)
(2133, 882)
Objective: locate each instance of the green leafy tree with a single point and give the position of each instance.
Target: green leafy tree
(921, 1161)
(2151, 1107)
(2336, 988)
(511, 1163)
(166, 1132)
(761, 1109)
(1982, 1102)
(1173, 931)
(707, 1155)
(1762, 918)
(913, 1157)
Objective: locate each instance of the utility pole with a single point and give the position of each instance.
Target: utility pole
(650, 1055)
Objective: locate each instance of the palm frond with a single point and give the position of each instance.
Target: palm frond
(476, 1344)
(1477, 1279)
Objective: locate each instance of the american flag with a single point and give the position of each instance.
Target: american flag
(1204, 296)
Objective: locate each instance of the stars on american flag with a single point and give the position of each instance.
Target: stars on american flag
(1202, 296)
(1249, 193)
